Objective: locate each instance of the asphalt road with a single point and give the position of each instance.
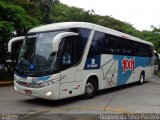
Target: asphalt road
(129, 99)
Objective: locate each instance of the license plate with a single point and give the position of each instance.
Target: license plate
(28, 92)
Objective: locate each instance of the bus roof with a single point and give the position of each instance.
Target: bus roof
(64, 25)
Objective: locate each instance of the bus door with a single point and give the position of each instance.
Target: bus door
(69, 75)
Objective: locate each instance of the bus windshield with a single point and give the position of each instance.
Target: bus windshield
(36, 54)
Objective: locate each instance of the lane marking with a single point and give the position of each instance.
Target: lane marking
(99, 108)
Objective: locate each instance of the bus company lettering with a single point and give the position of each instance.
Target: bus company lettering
(93, 64)
(128, 64)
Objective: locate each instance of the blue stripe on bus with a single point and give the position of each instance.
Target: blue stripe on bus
(124, 77)
(44, 78)
(95, 62)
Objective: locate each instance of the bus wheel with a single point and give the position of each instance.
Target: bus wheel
(141, 79)
(90, 88)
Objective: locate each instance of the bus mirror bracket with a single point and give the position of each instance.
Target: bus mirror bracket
(13, 40)
(57, 39)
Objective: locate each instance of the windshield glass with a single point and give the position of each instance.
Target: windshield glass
(36, 54)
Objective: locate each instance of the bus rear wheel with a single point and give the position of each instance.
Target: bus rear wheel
(141, 78)
(90, 89)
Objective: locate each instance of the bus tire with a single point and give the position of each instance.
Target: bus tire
(141, 78)
(90, 88)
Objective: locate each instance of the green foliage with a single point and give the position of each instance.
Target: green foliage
(63, 13)
(17, 16)
(6, 29)
(152, 36)
(12, 18)
(158, 73)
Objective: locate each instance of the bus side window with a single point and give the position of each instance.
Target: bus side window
(113, 45)
(97, 46)
(70, 54)
(67, 55)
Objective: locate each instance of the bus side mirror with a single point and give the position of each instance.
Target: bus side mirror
(10, 43)
(57, 39)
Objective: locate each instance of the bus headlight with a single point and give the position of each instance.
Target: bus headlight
(48, 93)
(15, 88)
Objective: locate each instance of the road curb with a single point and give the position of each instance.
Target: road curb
(6, 83)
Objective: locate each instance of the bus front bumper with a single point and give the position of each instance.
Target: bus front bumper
(49, 92)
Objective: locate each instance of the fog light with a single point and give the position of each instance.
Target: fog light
(48, 93)
(15, 88)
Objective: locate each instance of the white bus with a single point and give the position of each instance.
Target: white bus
(68, 59)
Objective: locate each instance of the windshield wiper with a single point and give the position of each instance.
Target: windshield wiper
(21, 61)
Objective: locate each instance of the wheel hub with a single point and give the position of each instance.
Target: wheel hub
(89, 88)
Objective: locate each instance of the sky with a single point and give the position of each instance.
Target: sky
(140, 13)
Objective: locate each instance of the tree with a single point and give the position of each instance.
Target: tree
(152, 36)
(6, 29)
(46, 7)
(17, 15)
(12, 18)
